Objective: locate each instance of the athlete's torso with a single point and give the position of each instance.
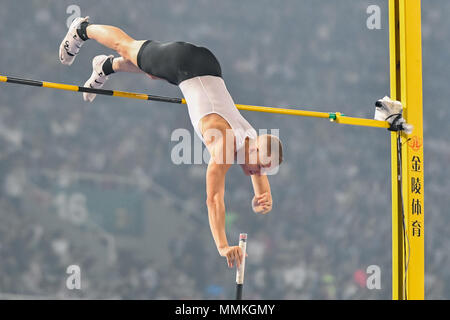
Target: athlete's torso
(210, 105)
(198, 74)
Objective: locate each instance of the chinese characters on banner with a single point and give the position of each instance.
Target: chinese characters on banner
(416, 188)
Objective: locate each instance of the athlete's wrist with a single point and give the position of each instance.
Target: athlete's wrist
(222, 248)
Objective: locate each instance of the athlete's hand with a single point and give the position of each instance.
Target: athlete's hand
(262, 203)
(233, 254)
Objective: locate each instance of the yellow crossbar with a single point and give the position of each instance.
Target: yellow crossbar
(333, 116)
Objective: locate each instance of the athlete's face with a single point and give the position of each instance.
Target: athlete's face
(254, 169)
(255, 166)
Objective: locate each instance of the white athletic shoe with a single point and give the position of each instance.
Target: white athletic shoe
(71, 44)
(98, 78)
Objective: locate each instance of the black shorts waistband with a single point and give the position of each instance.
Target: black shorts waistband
(141, 50)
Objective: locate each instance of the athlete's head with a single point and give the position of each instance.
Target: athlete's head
(264, 155)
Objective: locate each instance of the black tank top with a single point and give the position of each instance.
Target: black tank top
(177, 61)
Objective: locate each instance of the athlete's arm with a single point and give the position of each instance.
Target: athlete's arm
(215, 190)
(262, 201)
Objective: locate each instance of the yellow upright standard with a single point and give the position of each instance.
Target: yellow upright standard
(408, 266)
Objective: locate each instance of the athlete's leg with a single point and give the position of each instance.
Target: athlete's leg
(116, 39)
(121, 64)
(112, 37)
(102, 67)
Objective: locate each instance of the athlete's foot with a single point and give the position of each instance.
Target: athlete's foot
(98, 77)
(72, 42)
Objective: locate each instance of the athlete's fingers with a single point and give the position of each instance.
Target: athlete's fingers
(229, 261)
(262, 195)
(241, 257)
(237, 258)
(263, 200)
(265, 204)
(233, 258)
(260, 202)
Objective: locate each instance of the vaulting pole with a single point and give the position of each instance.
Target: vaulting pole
(241, 270)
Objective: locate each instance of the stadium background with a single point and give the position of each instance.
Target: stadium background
(93, 184)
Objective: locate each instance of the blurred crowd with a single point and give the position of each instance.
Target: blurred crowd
(331, 214)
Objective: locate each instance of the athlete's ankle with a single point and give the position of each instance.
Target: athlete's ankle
(82, 32)
(107, 66)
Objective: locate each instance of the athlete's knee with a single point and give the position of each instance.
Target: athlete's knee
(127, 49)
(121, 47)
(130, 50)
